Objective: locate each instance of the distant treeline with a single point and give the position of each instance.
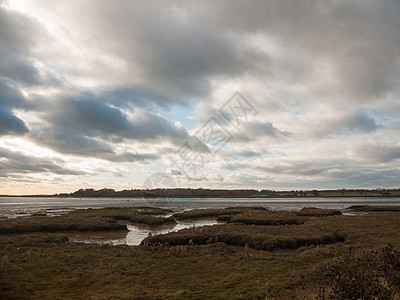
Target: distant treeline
(222, 193)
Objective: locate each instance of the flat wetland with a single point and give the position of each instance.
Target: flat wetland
(253, 253)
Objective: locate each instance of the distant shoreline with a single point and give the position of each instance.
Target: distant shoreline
(220, 193)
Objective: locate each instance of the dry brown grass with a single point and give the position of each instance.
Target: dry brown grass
(213, 213)
(264, 217)
(318, 212)
(45, 266)
(105, 219)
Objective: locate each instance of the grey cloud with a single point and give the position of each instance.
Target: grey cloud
(365, 178)
(70, 141)
(175, 172)
(382, 154)
(96, 118)
(179, 48)
(297, 168)
(360, 39)
(321, 172)
(14, 162)
(360, 122)
(348, 123)
(18, 34)
(89, 115)
(232, 166)
(89, 125)
(10, 124)
(10, 97)
(249, 153)
(176, 59)
(182, 57)
(255, 131)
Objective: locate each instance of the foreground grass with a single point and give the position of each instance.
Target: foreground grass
(42, 265)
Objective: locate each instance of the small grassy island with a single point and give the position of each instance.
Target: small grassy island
(255, 253)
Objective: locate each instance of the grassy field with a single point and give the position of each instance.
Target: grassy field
(246, 258)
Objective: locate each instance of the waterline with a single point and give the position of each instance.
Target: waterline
(136, 233)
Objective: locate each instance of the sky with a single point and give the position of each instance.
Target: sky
(273, 94)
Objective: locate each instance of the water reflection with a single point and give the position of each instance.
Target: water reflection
(136, 233)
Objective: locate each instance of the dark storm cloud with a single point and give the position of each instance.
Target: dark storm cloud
(14, 162)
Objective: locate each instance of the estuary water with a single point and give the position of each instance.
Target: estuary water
(11, 207)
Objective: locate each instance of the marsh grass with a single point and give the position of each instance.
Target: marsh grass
(105, 219)
(373, 208)
(42, 265)
(59, 223)
(257, 237)
(365, 275)
(317, 212)
(213, 213)
(263, 217)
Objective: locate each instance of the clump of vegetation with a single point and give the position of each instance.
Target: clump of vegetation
(59, 223)
(257, 237)
(105, 219)
(136, 215)
(143, 219)
(140, 215)
(367, 275)
(317, 212)
(211, 213)
(263, 217)
(147, 210)
(373, 208)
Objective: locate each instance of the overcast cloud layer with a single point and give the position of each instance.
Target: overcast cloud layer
(104, 93)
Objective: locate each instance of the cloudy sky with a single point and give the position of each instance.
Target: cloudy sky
(106, 93)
